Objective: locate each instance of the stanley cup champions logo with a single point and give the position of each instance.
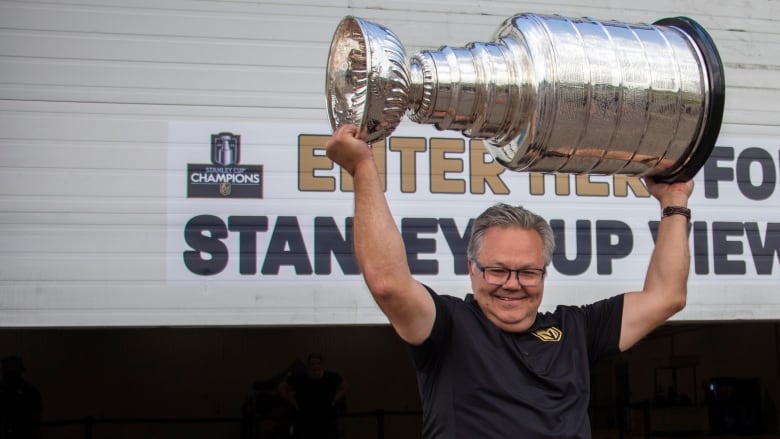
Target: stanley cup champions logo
(224, 149)
(224, 177)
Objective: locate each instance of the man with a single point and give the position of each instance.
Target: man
(20, 402)
(491, 366)
(318, 397)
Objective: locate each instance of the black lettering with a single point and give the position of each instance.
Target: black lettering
(204, 234)
(606, 250)
(764, 253)
(583, 252)
(247, 228)
(764, 189)
(458, 243)
(722, 247)
(701, 251)
(287, 248)
(327, 240)
(713, 173)
(410, 228)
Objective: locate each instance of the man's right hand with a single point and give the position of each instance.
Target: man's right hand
(347, 148)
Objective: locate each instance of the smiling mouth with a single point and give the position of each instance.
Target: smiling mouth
(509, 299)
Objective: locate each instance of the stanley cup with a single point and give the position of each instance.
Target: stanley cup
(548, 94)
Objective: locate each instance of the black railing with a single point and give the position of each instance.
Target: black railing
(618, 417)
(89, 423)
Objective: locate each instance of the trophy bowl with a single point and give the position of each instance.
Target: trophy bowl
(367, 78)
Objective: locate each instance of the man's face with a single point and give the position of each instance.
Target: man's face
(315, 368)
(12, 370)
(510, 306)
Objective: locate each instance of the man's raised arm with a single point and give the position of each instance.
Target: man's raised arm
(666, 283)
(379, 248)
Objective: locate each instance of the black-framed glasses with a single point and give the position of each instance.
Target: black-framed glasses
(527, 277)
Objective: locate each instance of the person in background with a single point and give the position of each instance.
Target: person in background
(20, 402)
(318, 397)
(491, 365)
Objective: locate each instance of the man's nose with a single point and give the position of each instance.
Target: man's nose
(513, 281)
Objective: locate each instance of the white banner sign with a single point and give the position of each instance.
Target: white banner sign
(261, 203)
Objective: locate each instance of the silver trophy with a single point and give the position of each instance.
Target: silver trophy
(549, 94)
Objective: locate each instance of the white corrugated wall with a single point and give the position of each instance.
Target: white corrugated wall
(88, 88)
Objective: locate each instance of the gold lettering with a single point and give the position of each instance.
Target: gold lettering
(441, 165)
(538, 188)
(312, 158)
(586, 187)
(484, 173)
(623, 182)
(408, 147)
(536, 183)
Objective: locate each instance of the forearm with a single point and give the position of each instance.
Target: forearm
(285, 391)
(379, 248)
(667, 274)
(340, 392)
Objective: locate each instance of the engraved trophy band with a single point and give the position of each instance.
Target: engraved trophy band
(549, 93)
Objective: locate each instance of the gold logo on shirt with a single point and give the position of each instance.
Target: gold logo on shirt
(548, 334)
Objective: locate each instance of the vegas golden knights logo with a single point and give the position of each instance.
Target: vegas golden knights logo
(548, 334)
(225, 188)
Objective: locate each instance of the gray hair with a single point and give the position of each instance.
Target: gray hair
(504, 215)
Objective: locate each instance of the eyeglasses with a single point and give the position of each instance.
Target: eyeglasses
(527, 277)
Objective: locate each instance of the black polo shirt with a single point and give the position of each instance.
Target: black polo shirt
(478, 381)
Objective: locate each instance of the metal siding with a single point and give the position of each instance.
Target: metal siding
(87, 90)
